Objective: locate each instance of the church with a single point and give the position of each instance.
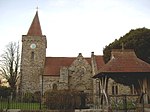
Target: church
(41, 73)
(84, 74)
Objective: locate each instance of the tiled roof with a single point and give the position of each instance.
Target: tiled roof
(53, 64)
(125, 61)
(35, 28)
(99, 61)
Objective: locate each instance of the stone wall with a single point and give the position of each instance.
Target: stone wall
(80, 75)
(49, 82)
(63, 80)
(31, 79)
(122, 89)
(32, 62)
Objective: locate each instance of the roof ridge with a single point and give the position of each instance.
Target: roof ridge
(68, 57)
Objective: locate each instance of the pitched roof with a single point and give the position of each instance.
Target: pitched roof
(99, 60)
(53, 64)
(125, 61)
(35, 28)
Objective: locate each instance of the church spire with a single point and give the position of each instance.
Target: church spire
(35, 28)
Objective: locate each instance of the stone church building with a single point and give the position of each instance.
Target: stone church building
(41, 73)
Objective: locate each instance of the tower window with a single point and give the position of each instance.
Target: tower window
(32, 56)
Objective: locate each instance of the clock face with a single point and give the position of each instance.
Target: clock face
(33, 46)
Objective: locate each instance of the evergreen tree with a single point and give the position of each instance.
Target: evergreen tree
(138, 39)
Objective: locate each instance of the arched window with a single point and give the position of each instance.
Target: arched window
(54, 86)
(114, 89)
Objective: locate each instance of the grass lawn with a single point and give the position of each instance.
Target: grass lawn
(18, 105)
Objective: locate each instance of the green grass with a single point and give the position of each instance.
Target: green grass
(17, 105)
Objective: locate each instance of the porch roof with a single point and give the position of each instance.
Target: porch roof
(124, 63)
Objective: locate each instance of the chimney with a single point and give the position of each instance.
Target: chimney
(80, 54)
(92, 54)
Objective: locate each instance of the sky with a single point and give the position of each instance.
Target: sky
(73, 26)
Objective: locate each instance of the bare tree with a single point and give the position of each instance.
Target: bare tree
(10, 63)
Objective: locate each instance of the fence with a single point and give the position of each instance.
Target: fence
(15, 103)
(67, 101)
(123, 102)
(29, 101)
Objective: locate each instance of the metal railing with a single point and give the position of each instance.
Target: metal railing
(123, 102)
(30, 101)
(23, 101)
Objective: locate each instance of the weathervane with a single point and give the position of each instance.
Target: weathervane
(37, 6)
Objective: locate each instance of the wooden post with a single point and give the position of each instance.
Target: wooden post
(103, 86)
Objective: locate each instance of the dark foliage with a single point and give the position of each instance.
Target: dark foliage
(5, 91)
(64, 99)
(37, 96)
(138, 39)
(29, 97)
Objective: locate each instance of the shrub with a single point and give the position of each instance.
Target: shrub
(28, 97)
(37, 96)
(64, 99)
(5, 91)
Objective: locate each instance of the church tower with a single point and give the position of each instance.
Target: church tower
(33, 57)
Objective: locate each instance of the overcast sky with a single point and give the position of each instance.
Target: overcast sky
(73, 26)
